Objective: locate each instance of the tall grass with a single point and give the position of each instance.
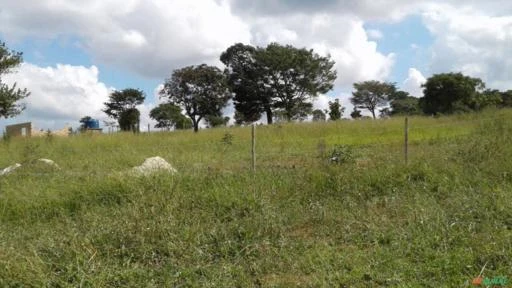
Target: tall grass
(299, 221)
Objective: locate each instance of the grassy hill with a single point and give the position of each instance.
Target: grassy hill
(298, 221)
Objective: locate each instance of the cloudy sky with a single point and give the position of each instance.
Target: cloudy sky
(77, 51)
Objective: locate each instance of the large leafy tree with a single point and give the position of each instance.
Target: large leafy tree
(371, 95)
(356, 114)
(452, 92)
(122, 106)
(169, 116)
(402, 103)
(10, 95)
(244, 77)
(217, 120)
(319, 115)
(293, 77)
(276, 79)
(199, 90)
(335, 110)
(506, 98)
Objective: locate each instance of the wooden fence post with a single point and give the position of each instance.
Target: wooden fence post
(253, 147)
(406, 142)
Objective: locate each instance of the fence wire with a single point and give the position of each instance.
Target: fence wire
(235, 153)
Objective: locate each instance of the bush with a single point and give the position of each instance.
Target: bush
(341, 154)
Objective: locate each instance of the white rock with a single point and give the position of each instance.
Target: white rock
(49, 162)
(153, 165)
(10, 169)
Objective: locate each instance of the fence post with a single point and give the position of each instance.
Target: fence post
(149, 128)
(406, 142)
(253, 147)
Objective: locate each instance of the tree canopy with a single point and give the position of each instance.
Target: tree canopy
(122, 106)
(275, 79)
(371, 95)
(169, 116)
(335, 110)
(452, 92)
(356, 114)
(319, 116)
(199, 90)
(244, 77)
(10, 96)
(402, 103)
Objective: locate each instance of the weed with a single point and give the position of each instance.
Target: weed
(341, 154)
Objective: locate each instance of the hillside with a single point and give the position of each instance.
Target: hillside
(298, 221)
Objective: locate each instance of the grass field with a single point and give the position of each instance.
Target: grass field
(298, 221)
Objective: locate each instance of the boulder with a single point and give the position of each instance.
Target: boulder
(49, 163)
(153, 165)
(10, 169)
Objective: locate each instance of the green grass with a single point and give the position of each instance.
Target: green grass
(299, 221)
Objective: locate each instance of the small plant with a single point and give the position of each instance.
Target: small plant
(30, 152)
(227, 139)
(321, 148)
(6, 137)
(48, 135)
(341, 154)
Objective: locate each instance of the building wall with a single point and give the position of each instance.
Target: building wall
(19, 130)
(26, 130)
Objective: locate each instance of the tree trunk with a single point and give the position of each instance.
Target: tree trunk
(270, 120)
(196, 125)
(373, 113)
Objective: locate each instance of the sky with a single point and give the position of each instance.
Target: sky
(77, 52)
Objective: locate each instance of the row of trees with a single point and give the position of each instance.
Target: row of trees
(445, 93)
(277, 81)
(203, 91)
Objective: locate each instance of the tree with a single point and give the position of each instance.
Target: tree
(276, 79)
(199, 90)
(244, 77)
(10, 96)
(216, 120)
(129, 120)
(452, 92)
(402, 103)
(335, 110)
(295, 76)
(319, 116)
(169, 116)
(83, 122)
(371, 95)
(122, 106)
(385, 112)
(487, 98)
(356, 114)
(506, 99)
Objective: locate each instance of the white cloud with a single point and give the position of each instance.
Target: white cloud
(375, 34)
(152, 37)
(63, 94)
(148, 37)
(413, 83)
(471, 42)
(60, 94)
(345, 39)
(144, 117)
